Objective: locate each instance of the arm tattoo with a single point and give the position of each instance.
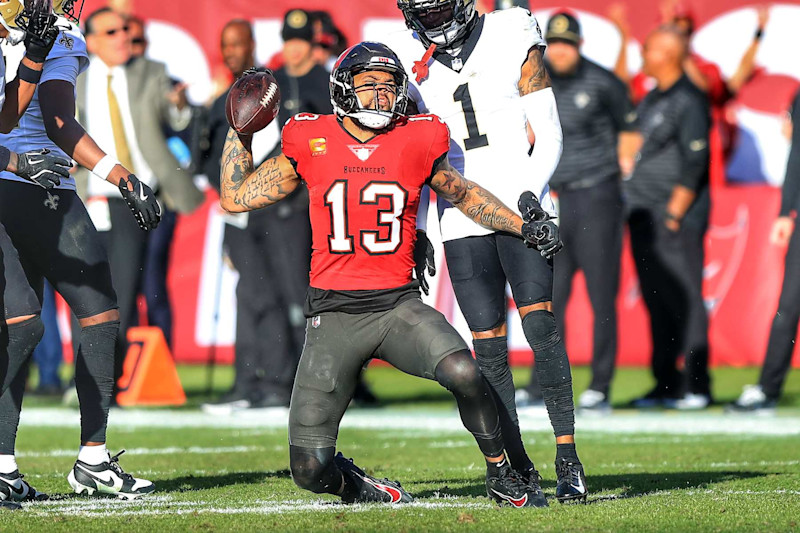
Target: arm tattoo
(474, 201)
(534, 75)
(244, 188)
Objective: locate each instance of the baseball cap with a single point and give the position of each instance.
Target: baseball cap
(564, 27)
(297, 24)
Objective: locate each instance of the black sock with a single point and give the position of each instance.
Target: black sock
(552, 368)
(17, 342)
(493, 469)
(492, 357)
(94, 378)
(568, 452)
(10, 407)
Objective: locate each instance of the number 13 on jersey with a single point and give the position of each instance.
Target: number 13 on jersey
(388, 220)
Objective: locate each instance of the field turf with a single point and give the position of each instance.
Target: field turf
(702, 472)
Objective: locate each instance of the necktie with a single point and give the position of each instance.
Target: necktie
(117, 127)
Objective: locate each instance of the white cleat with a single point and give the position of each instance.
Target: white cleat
(15, 489)
(107, 478)
(693, 402)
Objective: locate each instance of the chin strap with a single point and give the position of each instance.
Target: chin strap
(420, 67)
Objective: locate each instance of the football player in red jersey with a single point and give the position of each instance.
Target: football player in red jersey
(365, 167)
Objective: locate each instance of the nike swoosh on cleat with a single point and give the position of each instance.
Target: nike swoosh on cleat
(516, 502)
(107, 482)
(395, 494)
(13, 487)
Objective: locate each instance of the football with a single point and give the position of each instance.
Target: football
(253, 102)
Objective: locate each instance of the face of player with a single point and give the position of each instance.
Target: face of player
(237, 49)
(297, 52)
(109, 39)
(661, 52)
(433, 18)
(138, 40)
(562, 57)
(376, 90)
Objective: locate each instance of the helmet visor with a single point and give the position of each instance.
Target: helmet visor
(436, 17)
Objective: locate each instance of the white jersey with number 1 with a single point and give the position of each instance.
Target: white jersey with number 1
(476, 93)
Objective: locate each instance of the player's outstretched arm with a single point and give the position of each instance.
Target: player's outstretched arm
(243, 188)
(474, 201)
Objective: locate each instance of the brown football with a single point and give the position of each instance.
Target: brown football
(253, 102)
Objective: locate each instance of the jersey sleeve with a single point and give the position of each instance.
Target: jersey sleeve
(62, 69)
(439, 146)
(530, 33)
(289, 144)
(619, 103)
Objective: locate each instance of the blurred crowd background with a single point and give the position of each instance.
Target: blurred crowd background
(227, 289)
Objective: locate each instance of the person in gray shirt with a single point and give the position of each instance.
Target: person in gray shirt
(668, 208)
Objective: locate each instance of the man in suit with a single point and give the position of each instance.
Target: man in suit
(125, 104)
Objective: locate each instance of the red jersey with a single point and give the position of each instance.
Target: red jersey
(363, 197)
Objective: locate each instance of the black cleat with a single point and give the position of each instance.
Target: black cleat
(107, 478)
(15, 489)
(571, 481)
(510, 488)
(370, 489)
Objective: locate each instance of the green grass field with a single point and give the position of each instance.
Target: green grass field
(698, 472)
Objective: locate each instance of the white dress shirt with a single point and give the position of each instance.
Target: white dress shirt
(98, 123)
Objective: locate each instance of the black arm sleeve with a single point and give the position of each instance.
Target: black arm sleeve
(791, 182)
(619, 104)
(693, 134)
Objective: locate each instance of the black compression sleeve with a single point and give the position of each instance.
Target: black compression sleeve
(791, 183)
(693, 141)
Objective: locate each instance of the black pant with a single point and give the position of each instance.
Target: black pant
(591, 227)
(784, 326)
(154, 280)
(669, 265)
(272, 256)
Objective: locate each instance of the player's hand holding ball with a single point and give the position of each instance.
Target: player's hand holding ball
(253, 101)
(538, 229)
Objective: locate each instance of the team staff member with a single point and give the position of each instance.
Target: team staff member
(596, 114)
(668, 208)
(778, 360)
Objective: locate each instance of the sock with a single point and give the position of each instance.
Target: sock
(493, 469)
(492, 357)
(93, 455)
(552, 368)
(8, 464)
(568, 452)
(10, 407)
(94, 378)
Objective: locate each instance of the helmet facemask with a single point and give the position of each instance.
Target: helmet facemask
(346, 102)
(444, 23)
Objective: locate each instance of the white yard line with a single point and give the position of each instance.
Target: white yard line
(435, 421)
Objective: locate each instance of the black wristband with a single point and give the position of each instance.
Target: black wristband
(759, 34)
(5, 157)
(26, 73)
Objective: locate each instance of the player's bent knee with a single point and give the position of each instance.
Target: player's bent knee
(459, 373)
(499, 331)
(310, 468)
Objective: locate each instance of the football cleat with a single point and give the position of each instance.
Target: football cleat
(107, 478)
(14, 488)
(510, 488)
(571, 481)
(370, 489)
(693, 402)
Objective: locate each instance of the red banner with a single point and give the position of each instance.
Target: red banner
(743, 274)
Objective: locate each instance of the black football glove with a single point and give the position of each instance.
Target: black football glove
(424, 259)
(141, 201)
(538, 229)
(40, 36)
(42, 168)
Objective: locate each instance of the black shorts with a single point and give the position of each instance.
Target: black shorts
(479, 268)
(412, 337)
(56, 240)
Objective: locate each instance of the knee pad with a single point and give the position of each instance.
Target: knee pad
(459, 373)
(313, 469)
(18, 341)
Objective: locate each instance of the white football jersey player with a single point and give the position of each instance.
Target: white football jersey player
(477, 94)
(66, 61)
